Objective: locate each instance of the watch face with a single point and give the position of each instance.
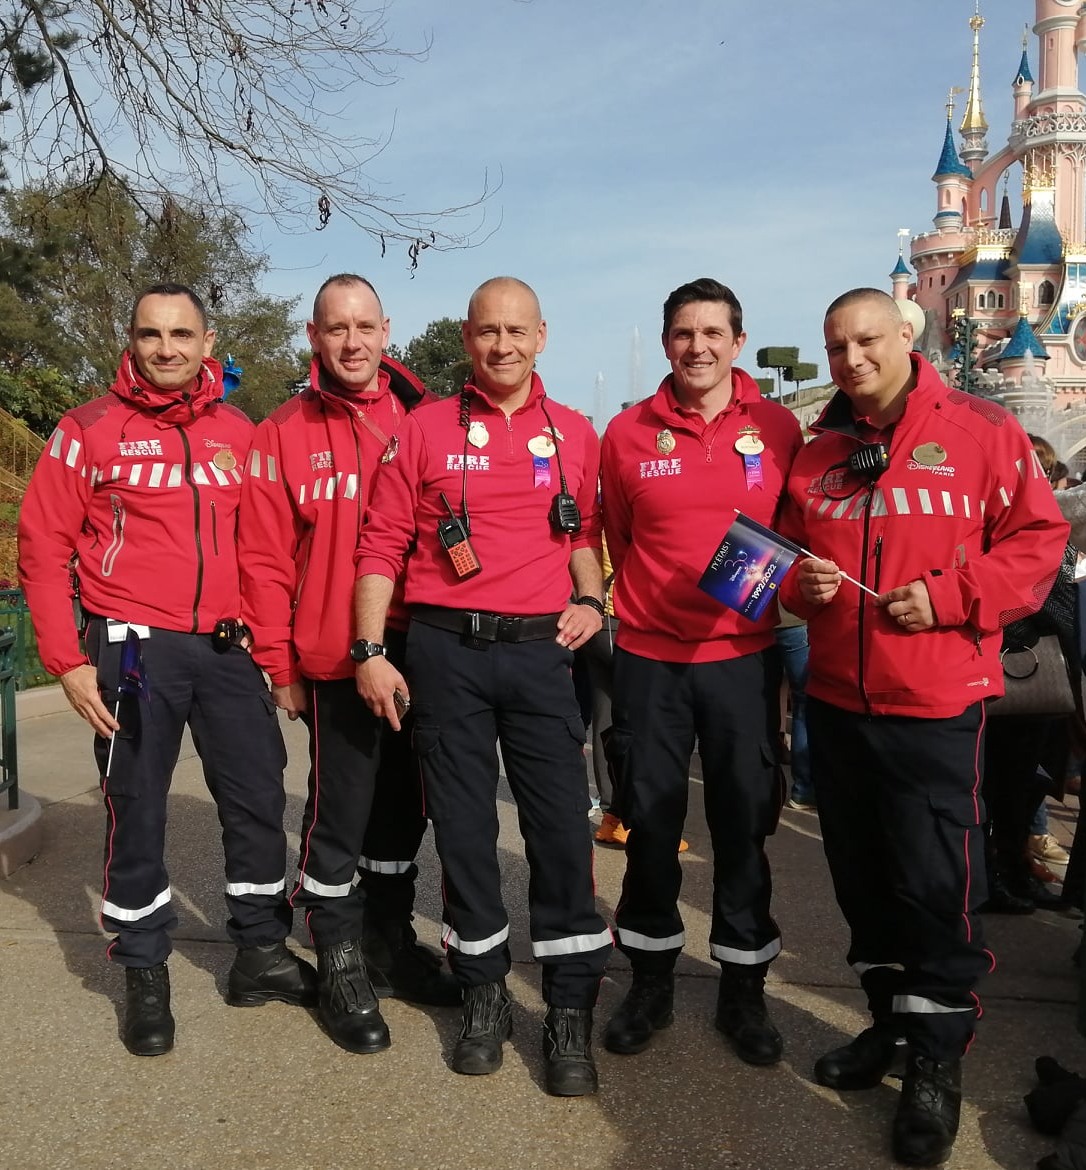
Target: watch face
(363, 651)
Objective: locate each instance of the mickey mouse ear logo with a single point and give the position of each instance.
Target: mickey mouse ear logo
(231, 376)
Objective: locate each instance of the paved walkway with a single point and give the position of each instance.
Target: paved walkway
(262, 1088)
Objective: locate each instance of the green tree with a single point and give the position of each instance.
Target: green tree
(94, 250)
(206, 95)
(437, 356)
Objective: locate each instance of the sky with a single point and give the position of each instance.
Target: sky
(776, 145)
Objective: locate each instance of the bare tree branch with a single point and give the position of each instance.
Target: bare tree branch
(206, 95)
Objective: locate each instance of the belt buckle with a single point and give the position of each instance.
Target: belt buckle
(508, 629)
(471, 632)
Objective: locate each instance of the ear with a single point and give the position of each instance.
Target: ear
(541, 337)
(209, 342)
(737, 345)
(312, 333)
(385, 333)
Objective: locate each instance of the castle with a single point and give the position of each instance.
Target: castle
(1018, 275)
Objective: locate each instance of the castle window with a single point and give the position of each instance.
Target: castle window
(1046, 292)
(1000, 301)
(984, 200)
(942, 280)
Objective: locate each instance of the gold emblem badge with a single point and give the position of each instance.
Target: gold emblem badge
(748, 443)
(665, 442)
(389, 452)
(930, 454)
(224, 459)
(542, 446)
(478, 435)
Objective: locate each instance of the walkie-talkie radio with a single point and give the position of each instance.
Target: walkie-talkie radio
(453, 534)
(870, 460)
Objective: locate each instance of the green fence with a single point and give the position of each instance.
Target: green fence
(25, 663)
(9, 767)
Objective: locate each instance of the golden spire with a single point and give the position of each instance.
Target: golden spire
(974, 121)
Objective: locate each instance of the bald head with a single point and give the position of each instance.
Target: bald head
(874, 297)
(499, 284)
(868, 344)
(503, 333)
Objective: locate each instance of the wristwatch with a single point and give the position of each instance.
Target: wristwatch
(362, 651)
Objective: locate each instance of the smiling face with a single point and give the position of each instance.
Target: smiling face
(503, 334)
(868, 346)
(168, 341)
(701, 345)
(349, 334)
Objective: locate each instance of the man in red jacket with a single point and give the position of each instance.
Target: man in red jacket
(493, 494)
(138, 490)
(310, 477)
(934, 500)
(675, 467)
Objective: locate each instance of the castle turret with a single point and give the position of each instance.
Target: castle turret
(953, 179)
(1023, 85)
(974, 125)
(901, 277)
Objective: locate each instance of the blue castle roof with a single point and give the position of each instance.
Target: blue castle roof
(949, 161)
(1023, 340)
(901, 268)
(1023, 70)
(1039, 240)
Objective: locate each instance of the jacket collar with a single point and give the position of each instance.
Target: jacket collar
(666, 406)
(169, 407)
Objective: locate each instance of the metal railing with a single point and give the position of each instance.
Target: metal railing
(9, 757)
(25, 664)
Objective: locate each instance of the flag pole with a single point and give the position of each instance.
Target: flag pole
(112, 740)
(808, 552)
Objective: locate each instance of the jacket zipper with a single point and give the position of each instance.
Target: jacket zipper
(214, 529)
(195, 533)
(117, 543)
(862, 603)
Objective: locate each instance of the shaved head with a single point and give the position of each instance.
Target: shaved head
(871, 296)
(502, 284)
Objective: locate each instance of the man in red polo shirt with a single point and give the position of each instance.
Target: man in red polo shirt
(495, 492)
(687, 669)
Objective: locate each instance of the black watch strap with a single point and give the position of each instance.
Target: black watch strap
(362, 650)
(594, 602)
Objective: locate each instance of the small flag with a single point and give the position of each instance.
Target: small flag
(748, 567)
(133, 680)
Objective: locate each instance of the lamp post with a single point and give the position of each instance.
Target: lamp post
(965, 339)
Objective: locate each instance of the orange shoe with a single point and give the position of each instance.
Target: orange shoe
(612, 831)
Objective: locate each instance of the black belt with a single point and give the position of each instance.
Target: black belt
(488, 627)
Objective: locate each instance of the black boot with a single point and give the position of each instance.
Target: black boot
(649, 1005)
(148, 1024)
(400, 966)
(347, 1005)
(567, 1047)
(260, 974)
(862, 1062)
(741, 1015)
(927, 1114)
(488, 1020)
(1002, 899)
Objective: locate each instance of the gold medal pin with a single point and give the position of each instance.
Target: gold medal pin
(665, 442)
(748, 443)
(930, 454)
(224, 459)
(478, 435)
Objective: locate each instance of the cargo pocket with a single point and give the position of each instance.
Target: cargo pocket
(955, 847)
(617, 742)
(776, 787)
